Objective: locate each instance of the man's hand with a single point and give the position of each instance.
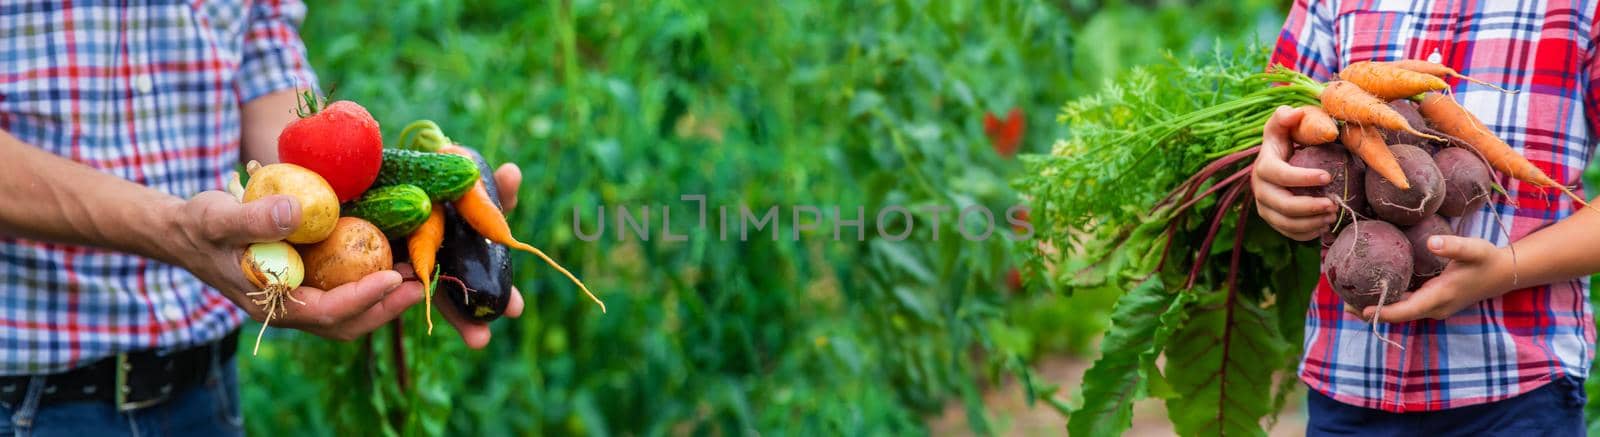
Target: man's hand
(1477, 271)
(213, 230)
(1299, 217)
(476, 334)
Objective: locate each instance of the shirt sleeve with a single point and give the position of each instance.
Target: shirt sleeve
(1591, 92)
(273, 58)
(1306, 43)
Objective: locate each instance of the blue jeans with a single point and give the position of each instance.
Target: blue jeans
(1552, 410)
(209, 409)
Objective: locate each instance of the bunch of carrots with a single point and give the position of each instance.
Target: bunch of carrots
(1360, 100)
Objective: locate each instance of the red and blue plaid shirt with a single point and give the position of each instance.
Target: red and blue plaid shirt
(1505, 346)
(150, 92)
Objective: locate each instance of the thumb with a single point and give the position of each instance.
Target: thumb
(1275, 134)
(266, 219)
(1462, 249)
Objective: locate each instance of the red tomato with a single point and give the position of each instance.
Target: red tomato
(341, 143)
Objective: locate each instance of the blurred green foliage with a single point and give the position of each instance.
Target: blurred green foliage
(828, 102)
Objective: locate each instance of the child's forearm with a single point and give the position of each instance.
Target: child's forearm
(1568, 249)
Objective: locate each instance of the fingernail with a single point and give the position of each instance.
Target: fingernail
(1326, 178)
(280, 214)
(1436, 243)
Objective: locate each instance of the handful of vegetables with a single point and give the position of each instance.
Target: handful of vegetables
(1158, 167)
(436, 196)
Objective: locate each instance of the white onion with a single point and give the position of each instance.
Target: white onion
(275, 269)
(273, 264)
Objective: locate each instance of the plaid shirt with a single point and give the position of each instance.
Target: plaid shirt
(1505, 346)
(150, 92)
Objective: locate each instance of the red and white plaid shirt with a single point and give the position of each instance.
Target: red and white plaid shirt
(1505, 346)
(150, 92)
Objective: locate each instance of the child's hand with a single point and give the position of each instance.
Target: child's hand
(1477, 271)
(1299, 217)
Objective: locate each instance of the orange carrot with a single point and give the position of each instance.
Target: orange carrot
(1451, 118)
(484, 216)
(1316, 127)
(1346, 101)
(1388, 82)
(1366, 143)
(1439, 70)
(423, 245)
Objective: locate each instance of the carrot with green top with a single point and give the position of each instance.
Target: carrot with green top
(1441, 71)
(1388, 82)
(1346, 101)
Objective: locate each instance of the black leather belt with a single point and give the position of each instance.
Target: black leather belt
(130, 380)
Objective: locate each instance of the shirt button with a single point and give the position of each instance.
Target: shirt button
(171, 312)
(143, 83)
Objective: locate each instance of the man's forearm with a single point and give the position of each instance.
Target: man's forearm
(261, 121)
(1568, 249)
(50, 198)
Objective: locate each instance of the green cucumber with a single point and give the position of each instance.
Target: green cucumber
(443, 176)
(396, 209)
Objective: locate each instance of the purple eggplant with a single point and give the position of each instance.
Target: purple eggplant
(474, 273)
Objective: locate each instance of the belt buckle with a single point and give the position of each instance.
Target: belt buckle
(124, 404)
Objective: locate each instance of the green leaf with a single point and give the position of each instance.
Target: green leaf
(1177, 313)
(865, 101)
(1591, 410)
(913, 301)
(1292, 287)
(1221, 365)
(901, 256)
(1119, 377)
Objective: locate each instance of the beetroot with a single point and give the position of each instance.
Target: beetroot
(1407, 207)
(1407, 109)
(1346, 187)
(1370, 260)
(1466, 181)
(1424, 264)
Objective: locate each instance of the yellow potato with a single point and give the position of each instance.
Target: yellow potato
(319, 207)
(355, 249)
